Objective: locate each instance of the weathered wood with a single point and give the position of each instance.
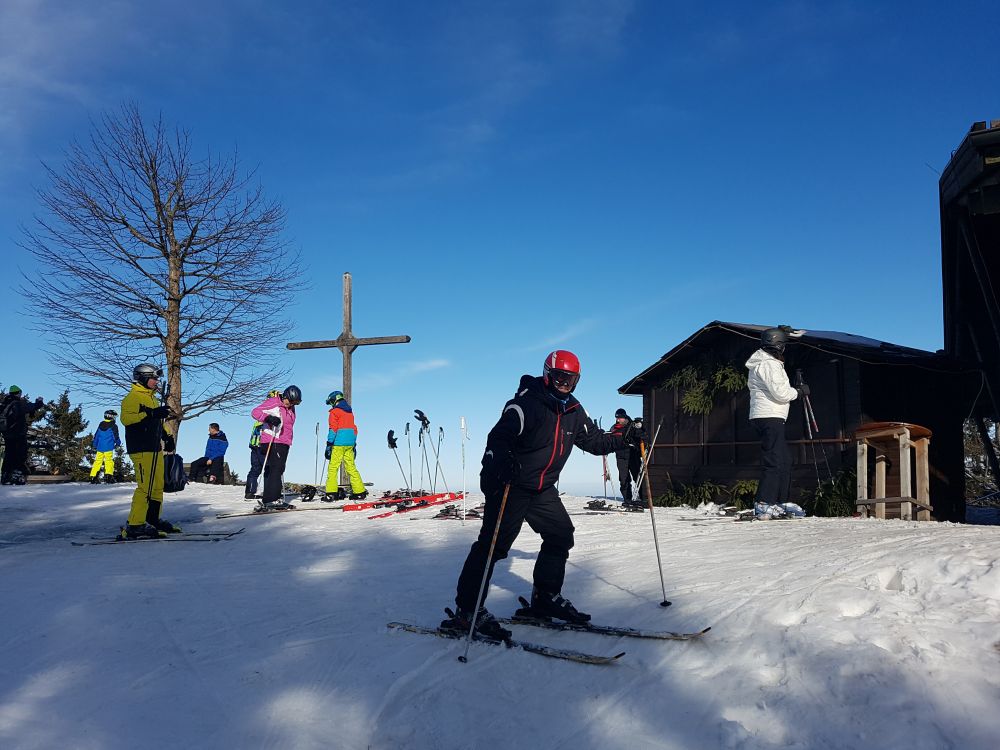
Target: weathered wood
(880, 476)
(347, 343)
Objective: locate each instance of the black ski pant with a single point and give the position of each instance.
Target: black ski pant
(256, 465)
(776, 461)
(274, 469)
(15, 456)
(200, 469)
(546, 516)
(628, 469)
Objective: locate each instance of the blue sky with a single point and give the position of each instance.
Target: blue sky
(504, 178)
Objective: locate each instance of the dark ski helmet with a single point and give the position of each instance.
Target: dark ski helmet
(334, 397)
(621, 413)
(773, 341)
(145, 372)
(110, 414)
(293, 394)
(561, 368)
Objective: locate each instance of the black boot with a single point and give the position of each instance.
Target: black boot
(487, 625)
(545, 604)
(95, 480)
(109, 479)
(140, 531)
(154, 520)
(359, 495)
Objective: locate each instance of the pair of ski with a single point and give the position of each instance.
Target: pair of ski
(204, 536)
(557, 653)
(420, 503)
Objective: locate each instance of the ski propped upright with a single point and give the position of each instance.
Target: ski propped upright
(533, 648)
(541, 622)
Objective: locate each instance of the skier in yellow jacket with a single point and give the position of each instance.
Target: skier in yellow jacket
(146, 438)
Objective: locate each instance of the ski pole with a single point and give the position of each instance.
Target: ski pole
(392, 445)
(482, 584)
(164, 393)
(437, 463)
(316, 464)
(809, 431)
(465, 436)
(409, 455)
(652, 517)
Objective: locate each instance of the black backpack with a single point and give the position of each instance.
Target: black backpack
(174, 477)
(7, 416)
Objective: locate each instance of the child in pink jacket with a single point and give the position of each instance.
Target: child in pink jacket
(278, 416)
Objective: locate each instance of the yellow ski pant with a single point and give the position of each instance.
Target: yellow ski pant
(108, 459)
(145, 473)
(343, 454)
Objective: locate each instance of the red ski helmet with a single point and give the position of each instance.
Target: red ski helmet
(561, 367)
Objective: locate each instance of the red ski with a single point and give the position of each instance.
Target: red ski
(385, 502)
(422, 503)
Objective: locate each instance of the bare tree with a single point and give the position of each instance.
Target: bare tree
(148, 253)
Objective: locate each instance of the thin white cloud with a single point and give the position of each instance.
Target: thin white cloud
(578, 328)
(401, 374)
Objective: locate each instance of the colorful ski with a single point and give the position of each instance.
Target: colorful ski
(534, 648)
(386, 502)
(446, 498)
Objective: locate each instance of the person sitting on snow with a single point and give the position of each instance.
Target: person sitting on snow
(209, 468)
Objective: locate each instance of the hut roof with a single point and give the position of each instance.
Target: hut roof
(831, 342)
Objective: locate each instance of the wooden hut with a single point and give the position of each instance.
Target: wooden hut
(854, 380)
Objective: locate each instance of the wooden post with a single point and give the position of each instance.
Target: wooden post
(862, 476)
(922, 449)
(347, 343)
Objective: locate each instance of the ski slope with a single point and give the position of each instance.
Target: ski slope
(825, 633)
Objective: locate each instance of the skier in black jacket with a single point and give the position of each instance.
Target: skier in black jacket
(629, 459)
(526, 449)
(15, 410)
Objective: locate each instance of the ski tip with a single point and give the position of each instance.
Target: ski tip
(702, 632)
(617, 656)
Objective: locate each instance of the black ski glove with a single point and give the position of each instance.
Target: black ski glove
(329, 451)
(272, 421)
(498, 470)
(803, 390)
(169, 444)
(159, 412)
(630, 436)
(392, 440)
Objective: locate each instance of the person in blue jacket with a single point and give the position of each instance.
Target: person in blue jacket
(209, 467)
(106, 440)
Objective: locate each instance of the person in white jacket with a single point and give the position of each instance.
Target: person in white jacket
(770, 395)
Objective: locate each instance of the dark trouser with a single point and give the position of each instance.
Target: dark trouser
(628, 469)
(776, 462)
(198, 470)
(15, 456)
(256, 464)
(546, 516)
(276, 456)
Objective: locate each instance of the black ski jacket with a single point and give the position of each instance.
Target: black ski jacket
(17, 408)
(537, 431)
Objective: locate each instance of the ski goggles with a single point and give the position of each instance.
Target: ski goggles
(564, 379)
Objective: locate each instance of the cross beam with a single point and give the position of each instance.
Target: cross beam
(346, 341)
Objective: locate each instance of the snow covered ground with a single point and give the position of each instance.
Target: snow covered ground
(825, 633)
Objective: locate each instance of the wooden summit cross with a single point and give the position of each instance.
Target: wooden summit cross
(346, 341)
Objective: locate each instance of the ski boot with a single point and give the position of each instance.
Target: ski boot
(109, 479)
(263, 507)
(140, 531)
(162, 524)
(634, 506)
(307, 494)
(545, 606)
(487, 625)
(95, 480)
(359, 495)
